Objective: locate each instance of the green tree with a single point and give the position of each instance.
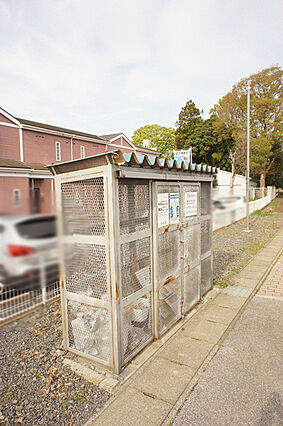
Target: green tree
(223, 143)
(160, 137)
(230, 115)
(275, 176)
(188, 124)
(193, 131)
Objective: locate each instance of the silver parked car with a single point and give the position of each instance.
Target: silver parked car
(28, 252)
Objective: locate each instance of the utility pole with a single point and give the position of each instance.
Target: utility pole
(248, 161)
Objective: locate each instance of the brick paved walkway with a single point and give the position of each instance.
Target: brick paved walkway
(273, 285)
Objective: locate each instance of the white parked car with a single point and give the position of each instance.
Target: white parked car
(28, 252)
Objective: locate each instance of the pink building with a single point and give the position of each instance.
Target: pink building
(120, 141)
(26, 185)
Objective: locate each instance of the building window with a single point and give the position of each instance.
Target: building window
(17, 197)
(82, 151)
(58, 151)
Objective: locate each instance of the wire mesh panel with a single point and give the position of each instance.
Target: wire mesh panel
(85, 269)
(83, 207)
(168, 255)
(192, 246)
(89, 330)
(86, 294)
(135, 266)
(136, 326)
(206, 275)
(192, 283)
(134, 205)
(205, 236)
(205, 198)
(169, 304)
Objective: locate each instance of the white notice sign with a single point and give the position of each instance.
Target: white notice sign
(174, 207)
(163, 210)
(191, 204)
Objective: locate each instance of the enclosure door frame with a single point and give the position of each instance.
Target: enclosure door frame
(106, 172)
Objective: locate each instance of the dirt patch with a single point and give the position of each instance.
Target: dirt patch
(233, 248)
(276, 205)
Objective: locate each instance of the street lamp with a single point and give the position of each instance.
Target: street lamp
(248, 161)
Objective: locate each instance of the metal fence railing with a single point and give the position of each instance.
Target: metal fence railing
(15, 302)
(256, 193)
(21, 295)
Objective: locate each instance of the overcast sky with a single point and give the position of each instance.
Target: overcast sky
(107, 66)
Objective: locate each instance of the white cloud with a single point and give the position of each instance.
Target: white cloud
(112, 65)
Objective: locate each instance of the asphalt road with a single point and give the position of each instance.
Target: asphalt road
(243, 384)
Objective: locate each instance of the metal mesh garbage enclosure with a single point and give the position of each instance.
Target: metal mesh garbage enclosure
(135, 249)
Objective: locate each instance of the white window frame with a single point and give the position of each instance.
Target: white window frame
(17, 198)
(82, 151)
(58, 151)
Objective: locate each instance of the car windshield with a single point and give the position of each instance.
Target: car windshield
(37, 228)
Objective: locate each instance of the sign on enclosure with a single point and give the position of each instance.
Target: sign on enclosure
(184, 155)
(191, 204)
(163, 210)
(174, 207)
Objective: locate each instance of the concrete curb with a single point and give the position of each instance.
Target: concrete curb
(160, 346)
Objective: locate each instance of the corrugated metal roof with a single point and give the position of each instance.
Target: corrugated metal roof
(131, 160)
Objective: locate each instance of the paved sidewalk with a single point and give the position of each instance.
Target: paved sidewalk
(243, 383)
(273, 285)
(155, 392)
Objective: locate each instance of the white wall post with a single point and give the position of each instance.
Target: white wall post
(21, 144)
(248, 160)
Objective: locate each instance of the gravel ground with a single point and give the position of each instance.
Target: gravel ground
(233, 248)
(35, 389)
